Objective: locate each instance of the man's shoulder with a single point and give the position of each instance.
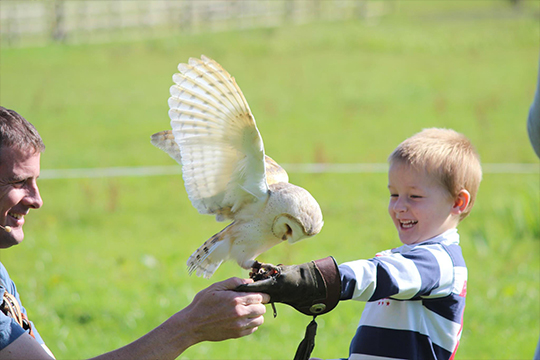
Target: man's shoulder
(7, 284)
(3, 270)
(5, 280)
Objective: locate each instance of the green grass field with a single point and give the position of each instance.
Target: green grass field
(103, 261)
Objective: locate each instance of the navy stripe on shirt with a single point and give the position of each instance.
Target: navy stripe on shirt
(429, 274)
(456, 254)
(386, 285)
(450, 307)
(427, 266)
(404, 344)
(348, 282)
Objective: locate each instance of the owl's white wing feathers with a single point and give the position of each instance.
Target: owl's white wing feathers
(221, 149)
(164, 140)
(220, 83)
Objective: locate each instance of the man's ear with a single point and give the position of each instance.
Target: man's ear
(462, 201)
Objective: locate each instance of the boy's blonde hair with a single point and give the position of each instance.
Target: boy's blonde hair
(448, 156)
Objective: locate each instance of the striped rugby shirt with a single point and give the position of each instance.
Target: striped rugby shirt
(415, 300)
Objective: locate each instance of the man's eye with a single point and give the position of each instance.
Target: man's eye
(19, 183)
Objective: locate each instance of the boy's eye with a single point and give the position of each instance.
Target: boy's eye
(416, 196)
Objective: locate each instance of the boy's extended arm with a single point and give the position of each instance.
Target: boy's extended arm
(420, 273)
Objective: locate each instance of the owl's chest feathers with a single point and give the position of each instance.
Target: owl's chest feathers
(253, 224)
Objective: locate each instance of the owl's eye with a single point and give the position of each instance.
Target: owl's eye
(289, 230)
(288, 233)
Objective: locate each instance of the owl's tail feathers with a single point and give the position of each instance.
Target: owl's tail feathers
(206, 259)
(205, 270)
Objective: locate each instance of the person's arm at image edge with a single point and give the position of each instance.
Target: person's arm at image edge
(533, 121)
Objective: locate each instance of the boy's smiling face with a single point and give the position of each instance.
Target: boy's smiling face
(420, 207)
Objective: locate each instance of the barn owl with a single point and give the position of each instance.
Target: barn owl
(226, 172)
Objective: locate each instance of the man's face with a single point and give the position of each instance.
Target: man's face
(19, 192)
(419, 206)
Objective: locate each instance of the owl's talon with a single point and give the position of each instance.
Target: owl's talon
(256, 266)
(261, 271)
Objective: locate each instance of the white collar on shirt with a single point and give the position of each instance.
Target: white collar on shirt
(448, 237)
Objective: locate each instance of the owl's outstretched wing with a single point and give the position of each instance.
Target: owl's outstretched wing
(222, 152)
(164, 140)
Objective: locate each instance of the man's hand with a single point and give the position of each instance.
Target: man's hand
(313, 288)
(218, 313)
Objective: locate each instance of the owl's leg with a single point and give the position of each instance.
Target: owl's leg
(248, 264)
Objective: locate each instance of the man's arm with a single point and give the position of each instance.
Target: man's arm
(215, 314)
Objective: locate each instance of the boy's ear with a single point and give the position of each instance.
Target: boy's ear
(462, 201)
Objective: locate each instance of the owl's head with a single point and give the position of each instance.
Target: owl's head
(288, 228)
(299, 214)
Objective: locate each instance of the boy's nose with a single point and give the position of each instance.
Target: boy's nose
(399, 206)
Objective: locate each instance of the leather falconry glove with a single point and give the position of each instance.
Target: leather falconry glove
(313, 288)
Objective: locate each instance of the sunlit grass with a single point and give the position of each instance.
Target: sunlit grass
(103, 266)
(104, 261)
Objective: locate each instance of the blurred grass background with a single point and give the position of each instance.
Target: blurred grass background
(103, 262)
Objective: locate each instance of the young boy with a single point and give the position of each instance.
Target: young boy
(416, 293)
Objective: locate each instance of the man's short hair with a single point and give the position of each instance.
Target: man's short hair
(16, 132)
(446, 155)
